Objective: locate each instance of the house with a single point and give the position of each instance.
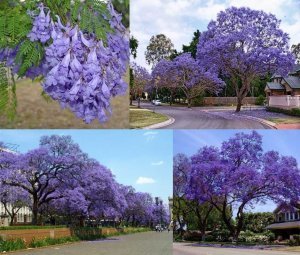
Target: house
(284, 91)
(24, 215)
(287, 221)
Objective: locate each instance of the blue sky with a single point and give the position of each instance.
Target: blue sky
(178, 19)
(142, 159)
(285, 141)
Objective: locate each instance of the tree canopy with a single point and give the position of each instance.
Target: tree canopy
(245, 44)
(160, 47)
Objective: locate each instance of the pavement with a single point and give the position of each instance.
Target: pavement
(203, 118)
(149, 243)
(190, 249)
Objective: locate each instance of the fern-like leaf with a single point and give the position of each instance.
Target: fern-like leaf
(8, 98)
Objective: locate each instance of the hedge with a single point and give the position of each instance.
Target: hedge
(291, 112)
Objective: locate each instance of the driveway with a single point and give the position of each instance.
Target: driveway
(189, 249)
(199, 118)
(149, 243)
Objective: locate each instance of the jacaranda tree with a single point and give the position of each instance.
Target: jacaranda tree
(245, 44)
(59, 179)
(141, 77)
(239, 175)
(187, 75)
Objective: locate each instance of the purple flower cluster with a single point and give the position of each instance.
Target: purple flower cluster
(80, 71)
(41, 27)
(84, 74)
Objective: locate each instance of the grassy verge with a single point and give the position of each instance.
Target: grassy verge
(288, 120)
(31, 227)
(140, 118)
(53, 241)
(292, 249)
(86, 234)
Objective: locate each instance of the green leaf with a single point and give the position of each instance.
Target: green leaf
(8, 98)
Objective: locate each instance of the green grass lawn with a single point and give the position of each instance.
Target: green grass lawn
(33, 111)
(293, 249)
(288, 120)
(140, 118)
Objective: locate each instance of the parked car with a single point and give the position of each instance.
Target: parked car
(159, 228)
(156, 102)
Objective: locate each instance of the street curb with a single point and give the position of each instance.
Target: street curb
(268, 123)
(168, 122)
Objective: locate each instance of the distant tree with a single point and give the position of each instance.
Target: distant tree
(13, 199)
(296, 52)
(192, 79)
(160, 47)
(245, 44)
(192, 47)
(141, 78)
(257, 222)
(134, 43)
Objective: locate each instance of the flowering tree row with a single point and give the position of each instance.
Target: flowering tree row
(241, 46)
(58, 178)
(235, 177)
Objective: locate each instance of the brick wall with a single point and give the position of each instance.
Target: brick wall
(226, 100)
(28, 234)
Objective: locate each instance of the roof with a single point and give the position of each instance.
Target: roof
(275, 86)
(291, 205)
(295, 69)
(293, 82)
(276, 76)
(285, 225)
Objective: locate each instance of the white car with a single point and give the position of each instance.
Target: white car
(156, 102)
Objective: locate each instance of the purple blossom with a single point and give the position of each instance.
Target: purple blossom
(41, 30)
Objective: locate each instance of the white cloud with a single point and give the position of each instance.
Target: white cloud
(159, 163)
(145, 180)
(150, 135)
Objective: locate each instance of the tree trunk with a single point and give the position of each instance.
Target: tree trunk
(35, 210)
(139, 102)
(235, 236)
(12, 217)
(239, 104)
(189, 103)
(131, 100)
(203, 234)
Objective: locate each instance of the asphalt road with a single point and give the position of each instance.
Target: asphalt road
(197, 118)
(187, 249)
(149, 243)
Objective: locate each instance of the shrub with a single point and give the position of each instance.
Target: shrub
(222, 235)
(210, 238)
(192, 236)
(12, 245)
(260, 100)
(295, 241)
(198, 101)
(261, 238)
(52, 241)
(87, 233)
(292, 112)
